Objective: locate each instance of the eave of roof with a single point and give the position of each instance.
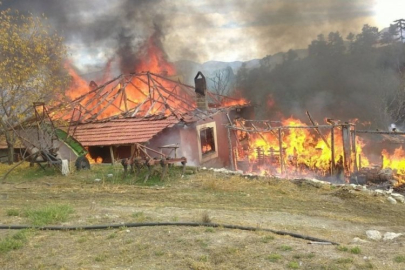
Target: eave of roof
(121, 131)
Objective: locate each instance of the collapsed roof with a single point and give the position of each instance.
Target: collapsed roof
(138, 95)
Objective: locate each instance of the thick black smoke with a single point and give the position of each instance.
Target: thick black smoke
(198, 30)
(118, 27)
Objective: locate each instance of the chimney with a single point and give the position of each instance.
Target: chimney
(200, 91)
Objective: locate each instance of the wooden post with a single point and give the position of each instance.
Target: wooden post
(151, 96)
(235, 163)
(354, 150)
(230, 149)
(332, 149)
(382, 161)
(347, 158)
(359, 161)
(280, 145)
(112, 154)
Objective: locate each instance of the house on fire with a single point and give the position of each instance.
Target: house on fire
(163, 114)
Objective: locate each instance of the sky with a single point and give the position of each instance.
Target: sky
(204, 30)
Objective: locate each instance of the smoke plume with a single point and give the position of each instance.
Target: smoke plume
(196, 30)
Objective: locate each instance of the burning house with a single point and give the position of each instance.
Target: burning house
(146, 113)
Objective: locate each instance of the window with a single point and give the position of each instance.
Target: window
(207, 140)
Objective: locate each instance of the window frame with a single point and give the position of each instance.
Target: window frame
(212, 154)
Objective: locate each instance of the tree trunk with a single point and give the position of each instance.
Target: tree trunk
(10, 153)
(10, 139)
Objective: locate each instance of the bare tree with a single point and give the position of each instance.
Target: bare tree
(221, 81)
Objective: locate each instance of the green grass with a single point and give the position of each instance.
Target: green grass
(202, 243)
(16, 241)
(274, 257)
(112, 235)
(293, 265)
(285, 248)
(203, 258)
(399, 259)
(159, 253)
(140, 217)
(342, 248)
(355, 250)
(99, 171)
(304, 256)
(267, 238)
(344, 260)
(25, 173)
(13, 212)
(100, 258)
(49, 214)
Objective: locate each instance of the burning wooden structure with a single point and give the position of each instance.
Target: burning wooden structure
(388, 166)
(333, 152)
(291, 148)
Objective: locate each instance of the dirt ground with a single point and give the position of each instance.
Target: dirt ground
(335, 213)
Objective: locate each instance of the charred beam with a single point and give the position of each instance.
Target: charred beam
(317, 130)
(379, 132)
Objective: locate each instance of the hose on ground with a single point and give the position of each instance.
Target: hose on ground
(152, 224)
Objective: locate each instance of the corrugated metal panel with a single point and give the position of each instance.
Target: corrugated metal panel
(121, 131)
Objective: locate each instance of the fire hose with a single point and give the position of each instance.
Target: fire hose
(155, 224)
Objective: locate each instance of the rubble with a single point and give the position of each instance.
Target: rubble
(391, 235)
(391, 200)
(373, 235)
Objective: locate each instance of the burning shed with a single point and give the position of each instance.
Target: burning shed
(292, 149)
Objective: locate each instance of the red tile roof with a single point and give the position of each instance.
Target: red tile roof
(121, 131)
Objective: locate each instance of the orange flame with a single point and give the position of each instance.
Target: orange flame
(94, 160)
(234, 102)
(396, 162)
(303, 151)
(152, 59)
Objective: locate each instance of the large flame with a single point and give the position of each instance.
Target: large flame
(150, 59)
(396, 162)
(304, 151)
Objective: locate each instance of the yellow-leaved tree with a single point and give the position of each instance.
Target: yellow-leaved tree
(32, 57)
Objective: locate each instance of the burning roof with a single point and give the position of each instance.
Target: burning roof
(137, 95)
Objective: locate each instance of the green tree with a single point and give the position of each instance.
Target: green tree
(389, 36)
(366, 40)
(318, 47)
(336, 43)
(32, 69)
